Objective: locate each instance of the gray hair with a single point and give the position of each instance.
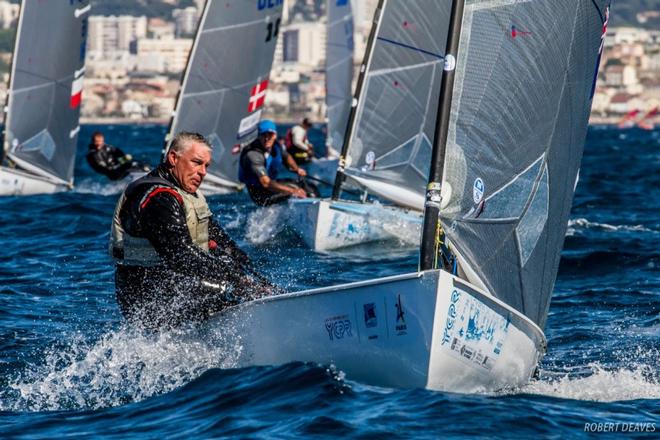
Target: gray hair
(184, 140)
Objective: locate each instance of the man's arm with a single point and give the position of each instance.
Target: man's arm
(291, 164)
(226, 245)
(274, 185)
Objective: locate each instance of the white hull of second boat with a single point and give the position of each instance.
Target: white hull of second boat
(14, 182)
(422, 330)
(332, 224)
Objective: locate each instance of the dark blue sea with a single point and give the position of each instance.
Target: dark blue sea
(70, 368)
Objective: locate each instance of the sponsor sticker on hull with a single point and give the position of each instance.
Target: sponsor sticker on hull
(473, 332)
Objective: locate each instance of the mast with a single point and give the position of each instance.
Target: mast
(340, 177)
(198, 31)
(5, 146)
(431, 227)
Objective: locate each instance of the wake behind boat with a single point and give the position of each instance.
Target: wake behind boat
(471, 318)
(43, 106)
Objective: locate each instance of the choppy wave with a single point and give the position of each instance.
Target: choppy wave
(577, 225)
(123, 366)
(265, 223)
(102, 188)
(602, 384)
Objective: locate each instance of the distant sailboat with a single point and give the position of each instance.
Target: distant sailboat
(225, 82)
(43, 105)
(512, 120)
(387, 144)
(647, 122)
(628, 120)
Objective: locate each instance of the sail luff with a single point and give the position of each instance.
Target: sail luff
(5, 140)
(350, 126)
(430, 229)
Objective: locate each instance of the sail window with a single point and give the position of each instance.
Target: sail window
(531, 225)
(509, 201)
(41, 142)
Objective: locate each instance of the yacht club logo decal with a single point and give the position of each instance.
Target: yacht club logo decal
(401, 327)
(339, 327)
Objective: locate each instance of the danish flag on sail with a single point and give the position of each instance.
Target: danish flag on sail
(257, 96)
(76, 88)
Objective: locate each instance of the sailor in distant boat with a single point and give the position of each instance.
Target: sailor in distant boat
(297, 143)
(258, 167)
(111, 161)
(174, 263)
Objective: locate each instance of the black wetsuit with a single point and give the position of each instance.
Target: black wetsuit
(110, 161)
(186, 285)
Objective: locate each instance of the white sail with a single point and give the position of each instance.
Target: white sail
(394, 124)
(226, 79)
(43, 108)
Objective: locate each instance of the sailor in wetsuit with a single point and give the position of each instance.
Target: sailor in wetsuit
(109, 160)
(174, 263)
(258, 166)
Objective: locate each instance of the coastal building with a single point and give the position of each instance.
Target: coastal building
(112, 34)
(8, 14)
(185, 20)
(167, 55)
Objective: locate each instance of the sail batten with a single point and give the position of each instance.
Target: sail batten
(226, 79)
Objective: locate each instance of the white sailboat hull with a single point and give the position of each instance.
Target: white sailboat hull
(422, 330)
(327, 224)
(14, 182)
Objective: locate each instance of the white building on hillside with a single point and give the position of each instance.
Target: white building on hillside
(108, 35)
(165, 55)
(8, 14)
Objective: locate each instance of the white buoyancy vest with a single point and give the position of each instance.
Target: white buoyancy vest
(138, 251)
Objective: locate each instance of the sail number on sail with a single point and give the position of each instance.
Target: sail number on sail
(268, 4)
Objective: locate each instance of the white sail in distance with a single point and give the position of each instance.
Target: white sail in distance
(43, 107)
(226, 79)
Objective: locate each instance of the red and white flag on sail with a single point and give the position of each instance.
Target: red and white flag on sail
(257, 96)
(76, 88)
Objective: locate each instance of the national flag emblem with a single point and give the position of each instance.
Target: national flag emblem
(602, 37)
(76, 91)
(257, 96)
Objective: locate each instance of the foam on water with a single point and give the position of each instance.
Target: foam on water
(122, 366)
(91, 186)
(576, 225)
(265, 223)
(602, 385)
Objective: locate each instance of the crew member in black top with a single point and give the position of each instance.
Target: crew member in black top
(109, 160)
(175, 264)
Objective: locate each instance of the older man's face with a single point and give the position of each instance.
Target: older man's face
(190, 167)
